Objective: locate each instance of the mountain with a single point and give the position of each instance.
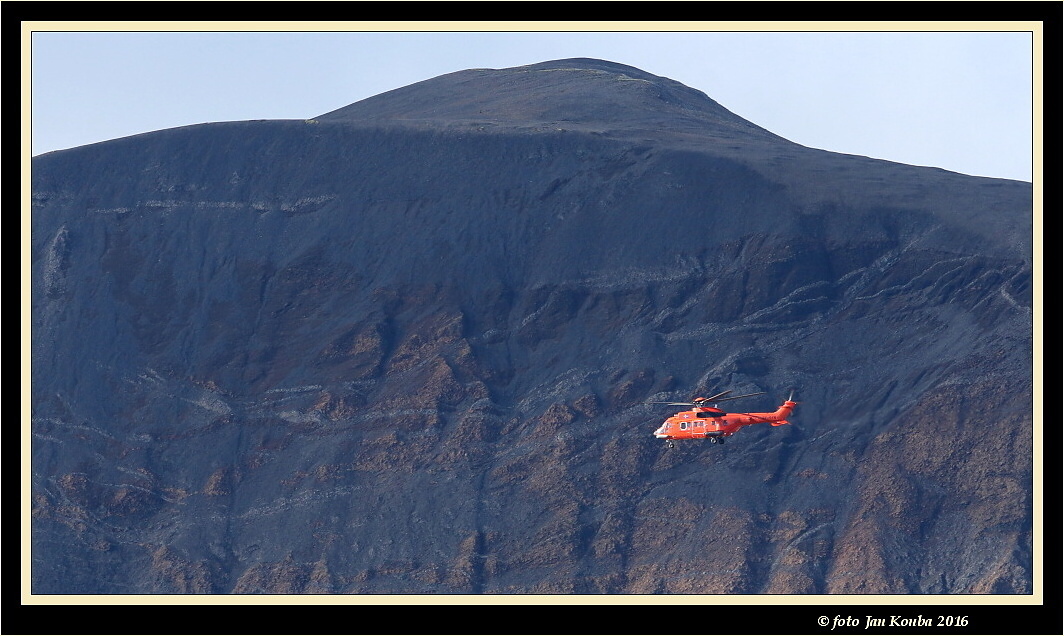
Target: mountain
(407, 347)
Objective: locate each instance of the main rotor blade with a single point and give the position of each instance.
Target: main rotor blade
(716, 398)
(703, 401)
(738, 396)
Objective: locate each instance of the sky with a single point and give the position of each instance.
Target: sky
(958, 100)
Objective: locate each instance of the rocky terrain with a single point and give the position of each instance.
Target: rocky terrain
(406, 347)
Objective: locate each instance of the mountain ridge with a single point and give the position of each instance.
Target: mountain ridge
(584, 93)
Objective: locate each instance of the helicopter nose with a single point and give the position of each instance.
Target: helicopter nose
(660, 433)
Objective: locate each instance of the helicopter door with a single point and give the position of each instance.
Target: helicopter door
(699, 428)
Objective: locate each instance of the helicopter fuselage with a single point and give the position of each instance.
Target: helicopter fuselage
(704, 422)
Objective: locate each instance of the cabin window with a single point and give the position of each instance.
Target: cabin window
(683, 426)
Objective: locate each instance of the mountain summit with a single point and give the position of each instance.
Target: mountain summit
(575, 94)
(409, 346)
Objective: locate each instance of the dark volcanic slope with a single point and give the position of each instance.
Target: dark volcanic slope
(405, 347)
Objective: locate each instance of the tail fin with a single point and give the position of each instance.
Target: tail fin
(785, 409)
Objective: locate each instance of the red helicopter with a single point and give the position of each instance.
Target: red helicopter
(709, 422)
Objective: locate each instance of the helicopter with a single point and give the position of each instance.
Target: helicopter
(709, 422)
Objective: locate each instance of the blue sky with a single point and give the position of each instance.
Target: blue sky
(949, 99)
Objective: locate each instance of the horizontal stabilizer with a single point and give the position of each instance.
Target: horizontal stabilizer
(780, 423)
